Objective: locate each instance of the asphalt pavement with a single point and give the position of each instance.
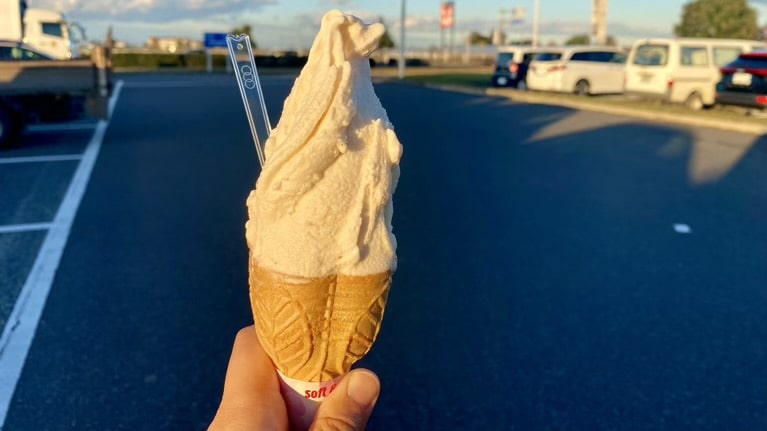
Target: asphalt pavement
(558, 269)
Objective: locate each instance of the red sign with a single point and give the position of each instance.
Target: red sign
(447, 15)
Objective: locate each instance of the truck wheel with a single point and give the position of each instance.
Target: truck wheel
(582, 88)
(694, 102)
(9, 127)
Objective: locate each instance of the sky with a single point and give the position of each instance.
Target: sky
(292, 24)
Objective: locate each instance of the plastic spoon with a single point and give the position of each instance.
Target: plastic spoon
(250, 88)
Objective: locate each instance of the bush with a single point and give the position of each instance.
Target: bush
(197, 60)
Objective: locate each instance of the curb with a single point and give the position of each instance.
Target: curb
(640, 113)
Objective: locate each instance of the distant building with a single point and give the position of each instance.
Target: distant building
(174, 44)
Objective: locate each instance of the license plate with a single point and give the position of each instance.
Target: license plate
(645, 78)
(741, 78)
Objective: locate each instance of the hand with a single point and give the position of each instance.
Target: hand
(252, 399)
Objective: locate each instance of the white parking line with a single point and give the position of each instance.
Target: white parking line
(40, 159)
(20, 328)
(29, 227)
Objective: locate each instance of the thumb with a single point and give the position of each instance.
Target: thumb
(349, 406)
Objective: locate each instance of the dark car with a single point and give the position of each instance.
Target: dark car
(744, 81)
(17, 51)
(511, 66)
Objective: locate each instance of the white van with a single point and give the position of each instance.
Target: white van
(578, 69)
(681, 70)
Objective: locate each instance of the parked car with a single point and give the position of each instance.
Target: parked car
(744, 81)
(17, 51)
(512, 63)
(582, 70)
(681, 70)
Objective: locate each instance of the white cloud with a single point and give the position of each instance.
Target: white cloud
(151, 10)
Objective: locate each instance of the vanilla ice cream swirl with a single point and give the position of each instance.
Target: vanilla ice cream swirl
(323, 202)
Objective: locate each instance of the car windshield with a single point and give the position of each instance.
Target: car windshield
(748, 62)
(651, 55)
(548, 56)
(504, 58)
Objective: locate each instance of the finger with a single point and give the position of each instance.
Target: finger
(251, 397)
(349, 406)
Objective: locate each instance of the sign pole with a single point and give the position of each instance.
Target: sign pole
(536, 18)
(401, 65)
(211, 41)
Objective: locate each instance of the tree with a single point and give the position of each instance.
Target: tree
(245, 29)
(478, 39)
(579, 39)
(718, 19)
(585, 39)
(386, 41)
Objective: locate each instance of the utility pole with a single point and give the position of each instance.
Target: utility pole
(599, 22)
(496, 37)
(401, 64)
(536, 19)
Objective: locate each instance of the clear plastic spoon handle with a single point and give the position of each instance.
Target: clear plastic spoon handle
(250, 89)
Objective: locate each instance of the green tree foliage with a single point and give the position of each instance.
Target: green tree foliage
(386, 41)
(585, 39)
(246, 29)
(719, 19)
(479, 39)
(578, 39)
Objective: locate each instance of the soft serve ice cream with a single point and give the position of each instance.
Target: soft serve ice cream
(322, 251)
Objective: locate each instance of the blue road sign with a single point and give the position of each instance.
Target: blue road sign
(215, 40)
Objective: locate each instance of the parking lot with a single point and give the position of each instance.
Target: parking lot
(558, 268)
(43, 180)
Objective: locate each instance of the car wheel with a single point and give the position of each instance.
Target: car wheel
(694, 102)
(500, 81)
(582, 88)
(9, 127)
(522, 85)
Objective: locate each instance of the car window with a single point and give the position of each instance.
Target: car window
(581, 56)
(5, 53)
(548, 56)
(694, 56)
(528, 57)
(724, 55)
(16, 53)
(618, 57)
(604, 56)
(651, 55)
(53, 29)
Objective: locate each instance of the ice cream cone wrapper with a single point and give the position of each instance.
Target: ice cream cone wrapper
(315, 329)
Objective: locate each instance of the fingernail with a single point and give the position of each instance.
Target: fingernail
(363, 388)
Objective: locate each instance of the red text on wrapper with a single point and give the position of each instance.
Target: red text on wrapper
(319, 394)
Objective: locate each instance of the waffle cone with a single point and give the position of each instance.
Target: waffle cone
(314, 329)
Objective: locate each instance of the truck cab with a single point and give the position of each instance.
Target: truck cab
(50, 33)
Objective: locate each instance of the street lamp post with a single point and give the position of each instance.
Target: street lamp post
(536, 18)
(401, 68)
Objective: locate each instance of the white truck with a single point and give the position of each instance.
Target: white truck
(38, 89)
(46, 31)
(40, 81)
